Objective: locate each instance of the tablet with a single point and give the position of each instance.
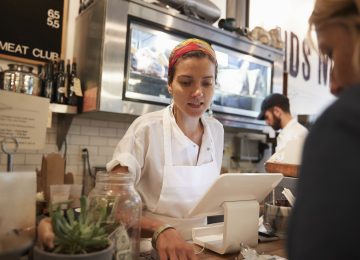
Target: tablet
(235, 187)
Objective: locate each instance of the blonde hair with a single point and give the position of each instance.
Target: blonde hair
(345, 11)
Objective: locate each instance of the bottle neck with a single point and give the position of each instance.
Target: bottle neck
(68, 70)
(49, 70)
(61, 66)
(73, 69)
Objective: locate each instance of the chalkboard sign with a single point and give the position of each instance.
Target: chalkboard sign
(33, 31)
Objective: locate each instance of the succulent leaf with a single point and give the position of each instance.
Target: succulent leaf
(78, 235)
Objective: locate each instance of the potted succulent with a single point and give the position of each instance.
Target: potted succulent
(77, 236)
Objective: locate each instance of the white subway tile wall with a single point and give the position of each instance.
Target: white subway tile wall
(98, 136)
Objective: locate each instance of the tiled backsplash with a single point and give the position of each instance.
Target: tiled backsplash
(99, 136)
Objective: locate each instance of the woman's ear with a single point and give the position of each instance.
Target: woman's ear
(170, 89)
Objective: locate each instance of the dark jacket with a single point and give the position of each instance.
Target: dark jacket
(325, 220)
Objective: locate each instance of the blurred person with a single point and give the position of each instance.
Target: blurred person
(275, 110)
(325, 218)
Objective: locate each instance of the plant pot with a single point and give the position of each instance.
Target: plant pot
(105, 254)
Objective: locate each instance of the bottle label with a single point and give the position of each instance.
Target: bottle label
(77, 87)
(61, 90)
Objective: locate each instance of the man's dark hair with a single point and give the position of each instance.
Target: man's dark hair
(274, 100)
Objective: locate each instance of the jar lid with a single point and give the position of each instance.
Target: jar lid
(103, 176)
(19, 67)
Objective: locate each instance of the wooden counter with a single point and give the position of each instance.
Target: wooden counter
(288, 170)
(267, 248)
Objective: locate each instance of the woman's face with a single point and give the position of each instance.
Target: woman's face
(193, 85)
(336, 42)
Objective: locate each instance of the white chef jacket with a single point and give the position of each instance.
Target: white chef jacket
(142, 151)
(290, 143)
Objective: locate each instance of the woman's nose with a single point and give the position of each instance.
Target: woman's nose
(198, 91)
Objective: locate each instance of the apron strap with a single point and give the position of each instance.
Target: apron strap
(167, 137)
(212, 145)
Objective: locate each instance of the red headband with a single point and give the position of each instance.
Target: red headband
(188, 46)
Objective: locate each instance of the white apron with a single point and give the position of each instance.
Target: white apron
(182, 187)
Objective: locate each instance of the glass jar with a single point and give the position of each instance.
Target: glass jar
(115, 193)
(19, 78)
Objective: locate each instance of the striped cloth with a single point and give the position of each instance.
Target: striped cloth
(189, 45)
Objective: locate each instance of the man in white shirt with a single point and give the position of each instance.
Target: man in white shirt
(275, 110)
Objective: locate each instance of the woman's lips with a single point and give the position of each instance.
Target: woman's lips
(196, 105)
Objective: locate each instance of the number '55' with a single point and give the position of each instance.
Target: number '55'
(53, 23)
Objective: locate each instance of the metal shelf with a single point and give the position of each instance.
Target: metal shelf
(63, 109)
(65, 115)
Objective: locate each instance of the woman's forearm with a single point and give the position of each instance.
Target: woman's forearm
(149, 226)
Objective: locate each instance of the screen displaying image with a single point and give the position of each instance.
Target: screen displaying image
(242, 84)
(148, 63)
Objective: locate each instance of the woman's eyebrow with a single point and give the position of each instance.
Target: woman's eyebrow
(184, 76)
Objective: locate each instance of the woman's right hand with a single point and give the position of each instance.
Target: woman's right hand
(171, 245)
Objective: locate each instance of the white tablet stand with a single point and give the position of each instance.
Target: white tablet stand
(238, 195)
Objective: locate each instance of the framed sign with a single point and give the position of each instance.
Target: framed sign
(33, 31)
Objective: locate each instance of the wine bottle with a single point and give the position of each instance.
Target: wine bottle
(60, 85)
(41, 75)
(49, 82)
(73, 98)
(67, 80)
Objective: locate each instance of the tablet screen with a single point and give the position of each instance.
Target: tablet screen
(235, 187)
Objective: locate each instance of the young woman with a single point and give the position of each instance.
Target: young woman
(175, 153)
(325, 217)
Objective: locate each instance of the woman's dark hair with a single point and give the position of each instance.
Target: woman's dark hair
(191, 54)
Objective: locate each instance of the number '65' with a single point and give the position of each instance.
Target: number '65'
(53, 14)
